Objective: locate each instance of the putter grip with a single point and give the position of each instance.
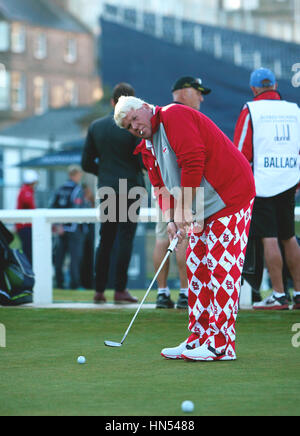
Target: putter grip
(173, 244)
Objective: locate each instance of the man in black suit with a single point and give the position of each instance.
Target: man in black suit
(108, 154)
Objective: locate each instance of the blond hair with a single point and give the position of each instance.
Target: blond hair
(124, 105)
(74, 169)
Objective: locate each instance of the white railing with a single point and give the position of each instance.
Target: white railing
(42, 220)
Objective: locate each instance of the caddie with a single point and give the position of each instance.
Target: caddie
(268, 134)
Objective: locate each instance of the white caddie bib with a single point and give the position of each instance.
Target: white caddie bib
(276, 145)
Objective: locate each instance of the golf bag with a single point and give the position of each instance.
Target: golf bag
(16, 275)
(254, 263)
(254, 266)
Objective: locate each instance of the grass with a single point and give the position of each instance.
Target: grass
(86, 296)
(40, 375)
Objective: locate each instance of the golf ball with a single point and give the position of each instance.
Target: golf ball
(187, 406)
(81, 359)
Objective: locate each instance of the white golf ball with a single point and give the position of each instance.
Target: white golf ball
(81, 360)
(187, 406)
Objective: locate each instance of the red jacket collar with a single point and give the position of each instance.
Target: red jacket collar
(155, 120)
(268, 95)
(140, 147)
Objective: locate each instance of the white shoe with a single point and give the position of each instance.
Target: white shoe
(272, 303)
(176, 352)
(208, 353)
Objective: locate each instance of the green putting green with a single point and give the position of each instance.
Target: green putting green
(40, 374)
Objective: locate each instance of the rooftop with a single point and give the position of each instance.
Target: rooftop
(41, 13)
(57, 124)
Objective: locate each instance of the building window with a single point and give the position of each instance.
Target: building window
(65, 94)
(11, 177)
(40, 93)
(18, 38)
(71, 93)
(4, 88)
(40, 46)
(57, 96)
(18, 91)
(71, 51)
(4, 36)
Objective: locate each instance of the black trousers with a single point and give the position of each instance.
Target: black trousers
(108, 233)
(274, 217)
(25, 235)
(88, 258)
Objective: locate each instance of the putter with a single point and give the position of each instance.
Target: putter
(170, 250)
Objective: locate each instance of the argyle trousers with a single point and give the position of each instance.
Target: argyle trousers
(215, 260)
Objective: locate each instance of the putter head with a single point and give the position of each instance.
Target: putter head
(112, 344)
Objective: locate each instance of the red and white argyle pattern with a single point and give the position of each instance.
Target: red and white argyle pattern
(215, 260)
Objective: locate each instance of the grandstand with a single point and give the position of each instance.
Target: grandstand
(151, 51)
(243, 49)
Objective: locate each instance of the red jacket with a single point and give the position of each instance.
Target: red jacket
(243, 134)
(202, 149)
(154, 174)
(25, 201)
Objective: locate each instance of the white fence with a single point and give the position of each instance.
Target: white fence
(42, 220)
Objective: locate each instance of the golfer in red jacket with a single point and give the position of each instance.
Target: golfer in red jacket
(184, 150)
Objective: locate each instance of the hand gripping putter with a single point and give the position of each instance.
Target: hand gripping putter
(170, 250)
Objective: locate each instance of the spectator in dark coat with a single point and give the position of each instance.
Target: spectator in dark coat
(70, 236)
(108, 154)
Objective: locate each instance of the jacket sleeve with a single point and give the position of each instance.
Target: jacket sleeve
(165, 199)
(183, 134)
(89, 155)
(243, 134)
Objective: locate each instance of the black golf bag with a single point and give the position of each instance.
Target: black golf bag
(254, 266)
(254, 263)
(16, 275)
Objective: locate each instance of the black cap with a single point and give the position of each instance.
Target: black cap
(190, 82)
